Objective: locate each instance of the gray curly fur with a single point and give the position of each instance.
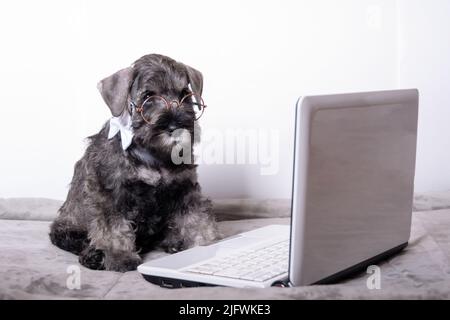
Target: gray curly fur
(124, 203)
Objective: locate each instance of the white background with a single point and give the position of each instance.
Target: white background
(257, 57)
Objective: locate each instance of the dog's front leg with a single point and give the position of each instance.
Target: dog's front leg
(190, 227)
(112, 245)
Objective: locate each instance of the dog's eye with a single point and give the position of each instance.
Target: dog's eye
(147, 94)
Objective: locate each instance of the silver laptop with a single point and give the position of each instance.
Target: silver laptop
(352, 192)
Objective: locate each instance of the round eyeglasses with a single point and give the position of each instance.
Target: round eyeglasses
(190, 100)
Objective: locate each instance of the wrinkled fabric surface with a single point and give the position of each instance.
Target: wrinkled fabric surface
(32, 268)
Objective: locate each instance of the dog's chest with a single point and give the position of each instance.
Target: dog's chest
(157, 193)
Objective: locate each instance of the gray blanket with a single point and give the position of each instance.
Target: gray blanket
(31, 268)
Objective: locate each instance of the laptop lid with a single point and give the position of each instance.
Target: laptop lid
(353, 180)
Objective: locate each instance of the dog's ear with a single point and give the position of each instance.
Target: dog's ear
(195, 79)
(115, 88)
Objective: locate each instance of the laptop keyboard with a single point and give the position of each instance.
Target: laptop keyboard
(255, 264)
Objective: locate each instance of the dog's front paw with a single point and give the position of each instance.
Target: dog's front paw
(92, 258)
(173, 246)
(122, 261)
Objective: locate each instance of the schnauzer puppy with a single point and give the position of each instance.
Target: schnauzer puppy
(127, 195)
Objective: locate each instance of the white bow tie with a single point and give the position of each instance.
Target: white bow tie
(121, 124)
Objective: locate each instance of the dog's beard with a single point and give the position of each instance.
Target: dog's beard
(164, 145)
(176, 137)
(179, 138)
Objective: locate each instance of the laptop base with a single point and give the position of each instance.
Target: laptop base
(174, 283)
(342, 275)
